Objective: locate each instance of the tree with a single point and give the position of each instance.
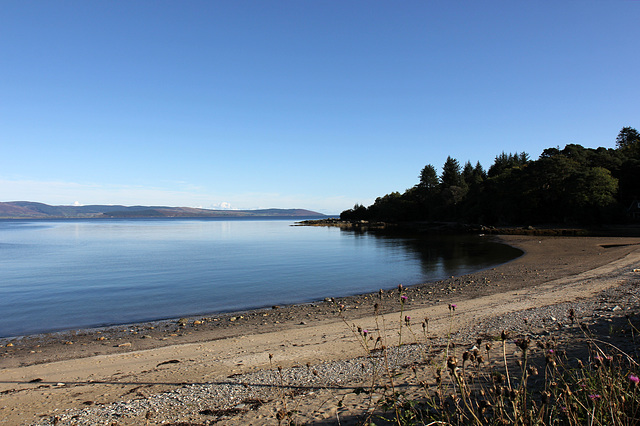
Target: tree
(629, 178)
(506, 161)
(358, 212)
(451, 175)
(453, 186)
(473, 176)
(594, 187)
(576, 152)
(628, 141)
(392, 207)
(550, 152)
(428, 178)
(467, 172)
(627, 137)
(569, 185)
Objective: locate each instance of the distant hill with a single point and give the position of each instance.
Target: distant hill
(33, 210)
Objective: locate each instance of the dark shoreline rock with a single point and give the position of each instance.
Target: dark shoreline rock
(446, 228)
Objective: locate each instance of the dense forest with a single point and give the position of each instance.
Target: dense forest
(573, 185)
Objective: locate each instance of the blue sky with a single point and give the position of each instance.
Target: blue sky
(306, 104)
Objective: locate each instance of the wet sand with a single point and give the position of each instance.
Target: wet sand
(44, 375)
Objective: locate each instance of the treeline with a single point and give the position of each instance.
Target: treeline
(574, 185)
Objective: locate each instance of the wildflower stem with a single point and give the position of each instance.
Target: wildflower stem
(506, 367)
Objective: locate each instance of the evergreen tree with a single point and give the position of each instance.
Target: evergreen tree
(628, 141)
(506, 161)
(428, 178)
(627, 137)
(569, 185)
(451, 175)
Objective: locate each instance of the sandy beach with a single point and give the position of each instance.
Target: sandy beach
(224, 368)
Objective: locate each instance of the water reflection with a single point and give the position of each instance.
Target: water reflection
(99, 272)
(445, 255)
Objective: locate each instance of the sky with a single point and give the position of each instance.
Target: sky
(297, 104)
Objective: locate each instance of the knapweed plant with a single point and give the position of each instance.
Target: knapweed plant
(502, 380)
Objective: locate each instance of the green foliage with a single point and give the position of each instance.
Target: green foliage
(473, 176)
(594, 187)
(429, 178)
(451, 175)
(628, 138)
(506, 161)
(569, 185)
(359, 212)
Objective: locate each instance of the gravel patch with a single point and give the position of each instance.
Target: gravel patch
(215, 403)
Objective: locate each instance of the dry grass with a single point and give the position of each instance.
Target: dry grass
(543, 384)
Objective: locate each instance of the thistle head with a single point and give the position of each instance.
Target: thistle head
(452, 363)
(523, 344)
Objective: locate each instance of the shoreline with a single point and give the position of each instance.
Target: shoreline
(77, 343)
(295, 334)
(57, 345)
(45, 315)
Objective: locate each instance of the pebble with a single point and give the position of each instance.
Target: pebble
(234, 392)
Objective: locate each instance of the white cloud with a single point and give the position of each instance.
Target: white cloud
(223, 206)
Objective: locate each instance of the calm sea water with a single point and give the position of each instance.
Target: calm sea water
(69, 274)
